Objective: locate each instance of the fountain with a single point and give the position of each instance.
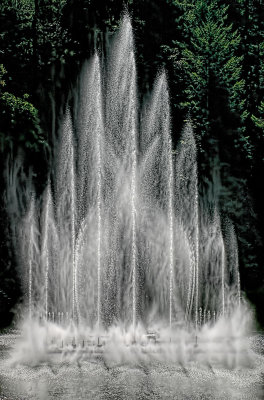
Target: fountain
(118, 249)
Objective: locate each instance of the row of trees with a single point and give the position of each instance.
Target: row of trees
(213, 51)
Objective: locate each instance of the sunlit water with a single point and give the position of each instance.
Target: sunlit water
(131, 288)
(119, 234)
(98, 378)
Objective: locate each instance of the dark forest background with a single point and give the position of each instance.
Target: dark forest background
(213, 52)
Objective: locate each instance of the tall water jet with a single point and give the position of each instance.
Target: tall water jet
(133, 207)
(73, 227)
(234, 251)
(157, 192)
(121, 238)
(196, 240)
(45, 257)
(232, 260)
(187, 211)
(69, 137)
(90, 172)
(31, 253)
(99, 187)
(65, 215)
(223, 271)
(121, 163)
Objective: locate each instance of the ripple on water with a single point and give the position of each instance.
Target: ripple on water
(156, 381)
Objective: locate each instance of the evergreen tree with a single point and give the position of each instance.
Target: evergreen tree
(208, 64)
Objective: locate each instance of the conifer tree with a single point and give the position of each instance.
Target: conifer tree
(208, 63)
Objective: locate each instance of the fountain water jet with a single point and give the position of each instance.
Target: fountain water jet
(124, 241)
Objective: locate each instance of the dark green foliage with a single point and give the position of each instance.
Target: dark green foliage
(206, 63)
(19, 123)
(259, 119)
